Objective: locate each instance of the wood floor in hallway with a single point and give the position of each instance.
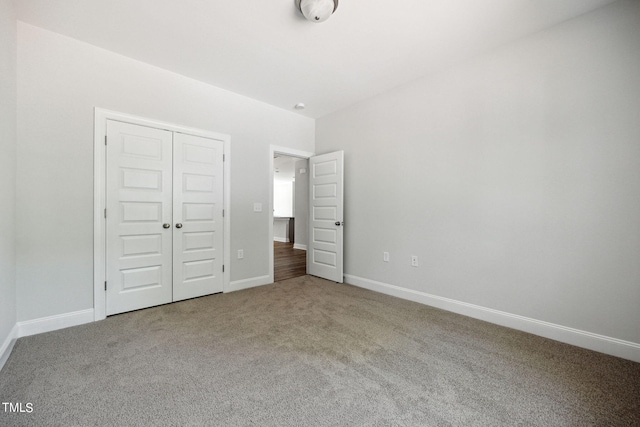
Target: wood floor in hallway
(288, 262)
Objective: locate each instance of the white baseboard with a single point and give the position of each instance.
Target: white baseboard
(281, 239)
(604, 344)
(239, 285)
(299, 246)
(7, 345)
(53, 323)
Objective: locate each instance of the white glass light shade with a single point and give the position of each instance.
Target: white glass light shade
(318, 10)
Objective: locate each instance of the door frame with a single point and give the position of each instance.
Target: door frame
(99, 196)
(289, 152)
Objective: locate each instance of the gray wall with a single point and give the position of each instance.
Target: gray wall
(7, 168)
(60, 81)
(514, 177)
(301, 200)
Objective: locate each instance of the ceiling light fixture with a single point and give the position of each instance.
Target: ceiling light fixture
(299, 106)
(317, 10)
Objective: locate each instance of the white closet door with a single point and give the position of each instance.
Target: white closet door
(197, 211)
(326, 188)
(139, 217)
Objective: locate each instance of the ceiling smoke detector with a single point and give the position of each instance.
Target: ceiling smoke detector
(317, 10)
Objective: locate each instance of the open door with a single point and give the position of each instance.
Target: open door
(326, 222)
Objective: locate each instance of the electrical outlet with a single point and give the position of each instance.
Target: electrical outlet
(257, 207)
(385, 256)
(414, 261)
(240, 253)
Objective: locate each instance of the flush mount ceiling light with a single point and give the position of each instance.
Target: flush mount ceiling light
(317, 10)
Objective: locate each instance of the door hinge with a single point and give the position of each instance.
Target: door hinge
(224, 157)
(223, 268)
(105, 285)
(222, 213)
(105, 140)
(105, 212)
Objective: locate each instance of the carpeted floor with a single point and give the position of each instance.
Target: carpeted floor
(307, 352)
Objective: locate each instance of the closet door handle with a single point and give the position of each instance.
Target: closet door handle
(166, 225)
(178, 225)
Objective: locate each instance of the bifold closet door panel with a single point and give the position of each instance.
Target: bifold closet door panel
(198, 217)
(138, 217)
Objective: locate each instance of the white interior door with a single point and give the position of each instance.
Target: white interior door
(197, 214)
(164, 216)
(326, 188)
(138, 217)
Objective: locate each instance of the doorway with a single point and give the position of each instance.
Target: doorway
(290, 207)
(288, 213)
(325, 215)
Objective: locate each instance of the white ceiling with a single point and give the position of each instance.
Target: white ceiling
(266, 50)
(284, 168)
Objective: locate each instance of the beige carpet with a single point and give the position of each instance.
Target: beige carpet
(306, 352)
